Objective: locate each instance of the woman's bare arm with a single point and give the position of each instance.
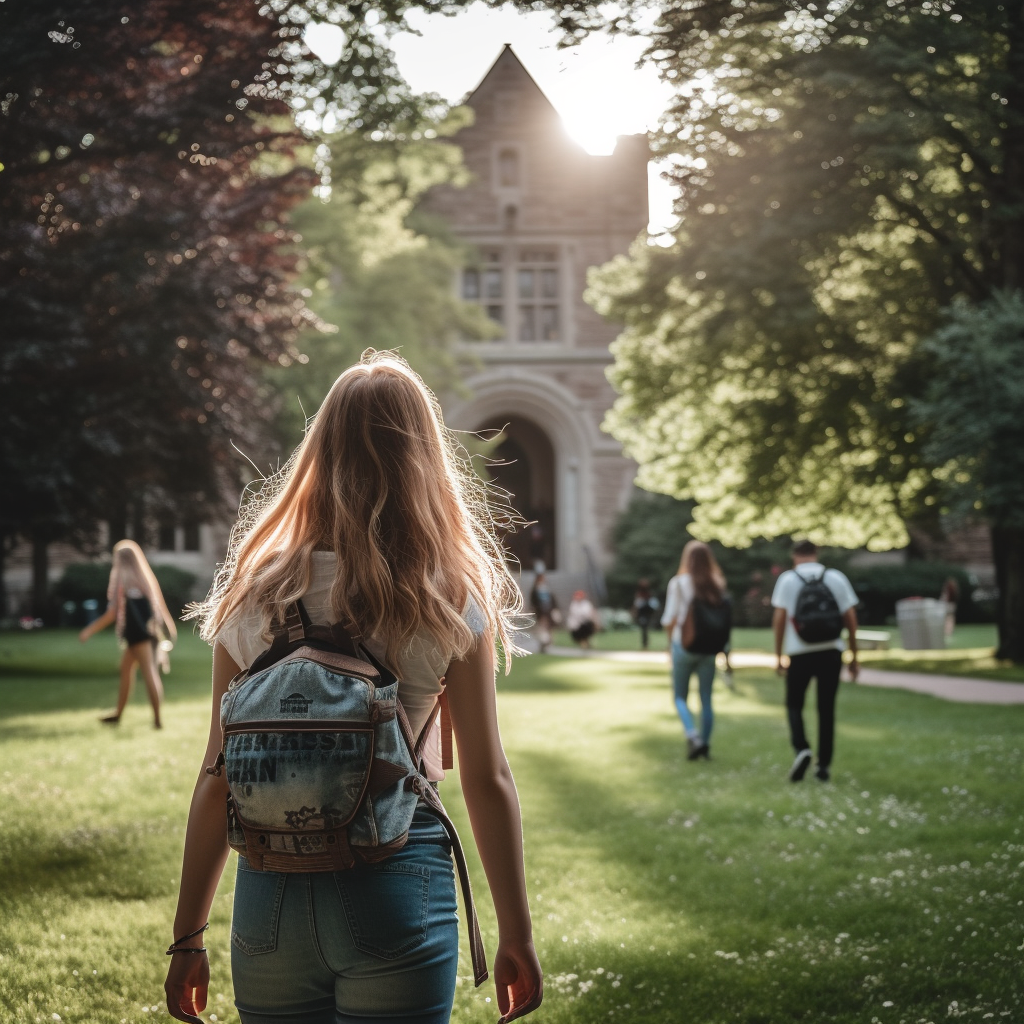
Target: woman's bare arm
(206, 850)
(493, 806)
(99, 624)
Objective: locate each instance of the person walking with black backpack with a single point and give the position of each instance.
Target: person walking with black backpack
(812, 605)
(698, 619)
(354, 627)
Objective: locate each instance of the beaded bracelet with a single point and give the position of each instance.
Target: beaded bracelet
(176, 947)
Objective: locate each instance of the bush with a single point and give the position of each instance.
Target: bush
(84, 580)
(879, 587)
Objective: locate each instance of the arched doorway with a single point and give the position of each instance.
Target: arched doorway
(525, 467)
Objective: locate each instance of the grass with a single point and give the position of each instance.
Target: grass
(969, 651)
(662, 890)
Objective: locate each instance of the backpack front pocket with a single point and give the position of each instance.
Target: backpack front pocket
(297, 776)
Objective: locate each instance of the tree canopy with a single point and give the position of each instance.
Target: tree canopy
(846, 172)
(377, 269)
(149, 160)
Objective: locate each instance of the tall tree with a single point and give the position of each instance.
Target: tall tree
(378, 270)
(845, 174)
(149, 158)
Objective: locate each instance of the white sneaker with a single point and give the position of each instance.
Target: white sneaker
(800, 766)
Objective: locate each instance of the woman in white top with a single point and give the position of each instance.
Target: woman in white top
(698, 576)
(144, 626)
(376, 522)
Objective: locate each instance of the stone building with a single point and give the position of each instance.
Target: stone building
(538, 214)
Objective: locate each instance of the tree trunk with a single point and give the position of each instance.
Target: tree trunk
(3, 578)
(40, 573)
(1008, 555)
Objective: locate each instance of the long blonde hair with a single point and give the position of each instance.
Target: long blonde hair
(381, 481)
(699, 563)
(131, 567)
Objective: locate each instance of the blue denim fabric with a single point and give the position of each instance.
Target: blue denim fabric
(375, 943)
(684, 664)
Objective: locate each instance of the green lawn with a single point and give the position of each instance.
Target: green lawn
(664, 891)
(969, 652)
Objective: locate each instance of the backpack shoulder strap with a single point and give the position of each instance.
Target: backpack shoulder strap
(476, 942)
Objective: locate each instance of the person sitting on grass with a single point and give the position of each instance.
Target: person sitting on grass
(581, 619)
(144, 626)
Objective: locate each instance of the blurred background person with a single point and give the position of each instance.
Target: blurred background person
(695, 602)
(581, 619)
(545, 610)
(645, 608)
(145, 627)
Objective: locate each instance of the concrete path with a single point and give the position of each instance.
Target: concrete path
(960, 689)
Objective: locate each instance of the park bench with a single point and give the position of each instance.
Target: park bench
(873, 639)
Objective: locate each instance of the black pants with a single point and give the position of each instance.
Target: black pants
(824, 666)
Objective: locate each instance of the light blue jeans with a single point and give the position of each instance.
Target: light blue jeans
(375, 943)
(684, 664)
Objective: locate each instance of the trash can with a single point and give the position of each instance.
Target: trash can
(921, 621)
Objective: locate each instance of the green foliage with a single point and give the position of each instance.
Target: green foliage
(974, 408)
(879, 587)
(82, 581)
(844, 176)
(648, 537)
(379, 273)
(629, 847)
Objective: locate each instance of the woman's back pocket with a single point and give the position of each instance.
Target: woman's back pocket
(386, 907)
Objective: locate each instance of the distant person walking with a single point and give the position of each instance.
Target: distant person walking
(143, 623)
(645, 608)
(581, 619)
(812, 605)
(698, 618)
(545, 610)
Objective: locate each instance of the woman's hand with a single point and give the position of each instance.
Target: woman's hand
(518, 979)
(187, 984)
(84, 635)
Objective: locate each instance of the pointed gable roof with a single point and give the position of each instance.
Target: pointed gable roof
(509, 72)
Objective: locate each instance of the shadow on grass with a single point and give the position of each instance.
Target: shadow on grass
(547, 674)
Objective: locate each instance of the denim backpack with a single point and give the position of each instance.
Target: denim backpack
(322, 767)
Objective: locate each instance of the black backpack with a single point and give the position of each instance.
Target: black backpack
(707, 627)
(817, 618)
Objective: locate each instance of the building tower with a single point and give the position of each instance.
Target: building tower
(538, 214)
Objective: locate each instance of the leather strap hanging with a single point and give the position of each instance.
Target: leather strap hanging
(447, 753)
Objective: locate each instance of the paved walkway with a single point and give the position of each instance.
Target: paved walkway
(960, 689)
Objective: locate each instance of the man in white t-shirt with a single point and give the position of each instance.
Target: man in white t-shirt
(821, 660)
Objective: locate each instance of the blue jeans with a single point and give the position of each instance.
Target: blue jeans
(684, 664)
(375, 943)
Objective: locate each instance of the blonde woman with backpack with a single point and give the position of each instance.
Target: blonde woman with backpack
(144, 626)
(377, 534)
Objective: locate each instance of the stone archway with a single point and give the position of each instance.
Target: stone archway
(525, 467)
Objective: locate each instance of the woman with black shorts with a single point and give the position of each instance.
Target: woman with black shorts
(145, 627)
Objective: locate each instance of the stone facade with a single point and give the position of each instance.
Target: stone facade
(540, 212)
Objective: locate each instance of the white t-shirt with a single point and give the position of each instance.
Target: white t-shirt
(419, 670)
(787, 590)
(677, 604)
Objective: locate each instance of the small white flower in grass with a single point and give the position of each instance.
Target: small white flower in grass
(56, 1016)
(487, 999)
(888, 1002)
(213, 1016)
